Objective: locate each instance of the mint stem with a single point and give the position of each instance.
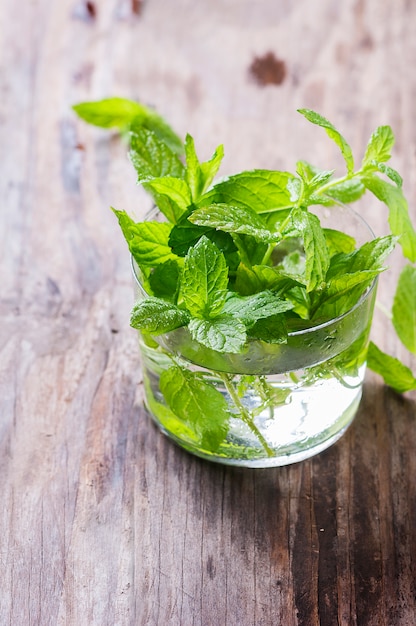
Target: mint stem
(268, 254)
(244, 413)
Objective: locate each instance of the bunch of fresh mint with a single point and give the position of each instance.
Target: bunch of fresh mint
(245, 258)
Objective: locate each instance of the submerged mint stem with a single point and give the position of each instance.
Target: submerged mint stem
(244, 413)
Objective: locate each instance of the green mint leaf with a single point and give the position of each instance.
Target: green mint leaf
(379, 146)
(261, 190)
(251, 251)
(210, 168)
(342, 292)
(250, 280)
(307, 171)
(124, 114)
(404, 308)
(152, 158)
(158, 125)
(333, 133)
(111, 112)
(156, 316)
(347, 191)
(147, 241)
(184, 235)
(164, 280)
(319, 179)
(233, 219)
(395, 374)
(198, 404)
(225, 243)
(349, 275)
(312, 177)
(204, 280)
(389, 172)
(337, 241)
(251, 308)
(301, 301)
(370, 256)
(316, 251)
(270, 329)
(223, 334)
(399, 219)
(200, 175)
(175, 189)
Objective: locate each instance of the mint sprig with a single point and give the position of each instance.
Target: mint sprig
(246, 258)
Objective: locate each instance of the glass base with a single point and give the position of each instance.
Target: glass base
(272, 420)
(278, 460)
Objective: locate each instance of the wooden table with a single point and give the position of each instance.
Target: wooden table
(103, 520)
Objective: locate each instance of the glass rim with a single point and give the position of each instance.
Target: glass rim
(310, 329)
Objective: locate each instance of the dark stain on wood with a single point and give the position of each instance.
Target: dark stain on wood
(85, 11)
(268, 70)
(91, 9)
(136, 7)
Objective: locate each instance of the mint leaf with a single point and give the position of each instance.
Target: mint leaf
(164, 280)
(379, 146)
(249, 309)
(347, 191)
(200, 175)
(307, 171)
(152, 158)
(111, 112)
(342, 292)
(271, 329)
(233, 219)
(185, 235)
(337, 241)
(204, 280)
(197, 403)
(389, 172)
(399, 219)
(312, 176)
(250, 280)
(223, 334)
(332, 132)
(147, 241)
(394, 372)
(404, 308)
(124, 114)
(154, 122)
(349, 275)
(156, 316)
(316, 251)
(261, 190)
(175, 189)
(301, 301)
(370, 256)
(251, 251)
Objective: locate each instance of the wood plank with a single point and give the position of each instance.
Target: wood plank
(104, 521)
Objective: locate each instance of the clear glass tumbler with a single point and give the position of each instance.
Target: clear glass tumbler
(272, 404)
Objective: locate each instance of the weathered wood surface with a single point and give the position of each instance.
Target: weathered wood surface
(103, 521)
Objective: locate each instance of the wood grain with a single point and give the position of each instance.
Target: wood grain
(103, 520)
